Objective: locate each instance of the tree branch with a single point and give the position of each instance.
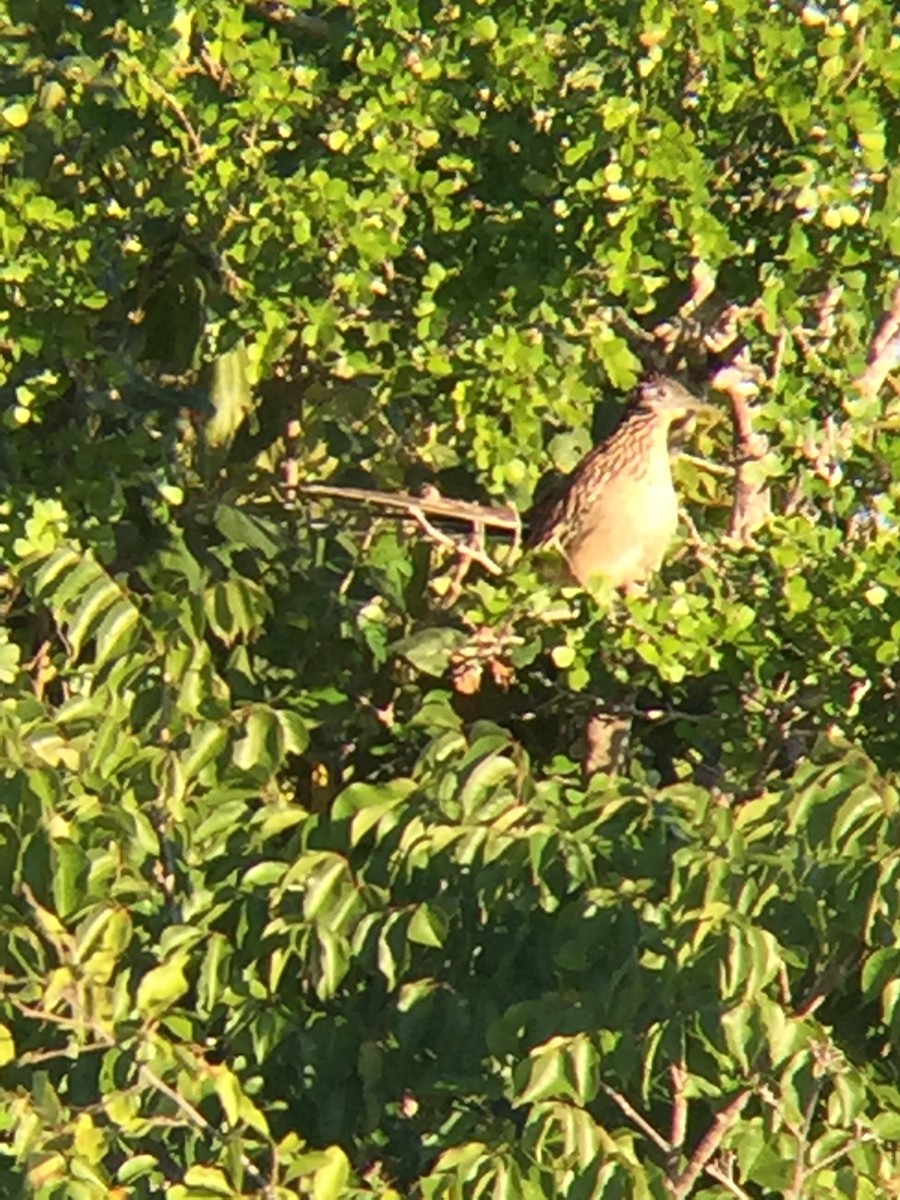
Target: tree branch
(884, 352)
(636, 1118)
(717, 1172)
(678, 1078)
(466, 511)
(751, 502)
(682, 1187)
(469, 553)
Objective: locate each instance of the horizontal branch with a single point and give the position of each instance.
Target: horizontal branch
(405, 504)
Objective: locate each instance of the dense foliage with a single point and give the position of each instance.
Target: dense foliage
(301, 892)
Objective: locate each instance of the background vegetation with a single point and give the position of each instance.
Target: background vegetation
(301, 894)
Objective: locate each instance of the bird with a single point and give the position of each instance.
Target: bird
(615, 515)
(613, 518)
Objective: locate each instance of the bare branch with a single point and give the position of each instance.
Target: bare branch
(706, 464)
(468, 552)
(703, 1156)
(678, 1077)
(197, 1119)
(884, 352)
(825, 309)
(682, 1187)
(835, 1156)
(721, 1175)
(801, 1168)
(475, 540)
(751, 503)
(778, 358)
(155, 88)
(492, 517)
(636, 1118)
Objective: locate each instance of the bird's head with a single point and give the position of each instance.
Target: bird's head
(664, 397)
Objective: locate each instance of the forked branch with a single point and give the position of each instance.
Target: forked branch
(750, 505)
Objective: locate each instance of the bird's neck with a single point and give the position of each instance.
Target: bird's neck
(641, 438)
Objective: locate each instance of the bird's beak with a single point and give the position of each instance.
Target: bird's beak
(704, 408)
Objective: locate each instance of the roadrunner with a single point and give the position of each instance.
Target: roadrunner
(613, 519)
(617, 511)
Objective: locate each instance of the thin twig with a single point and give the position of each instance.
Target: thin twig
(784, 985)
(200, 1122)
(471, 553)
(851, 1144)
(193, 1115)
(714, 1171)
(104, 1041)
(154, 86)
(859, 66)
(663, 716)
(347, 582)
(291, 472)
(714, 468)
(76, 1023)
(801, 1169)
(220, 75)
(636, 1118)
(474, 539)
(38, 1056)
(698, 546)
(825, 308)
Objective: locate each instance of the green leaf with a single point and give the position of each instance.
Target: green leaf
(243, 529)
(100, 596)
(547, 1075)
(116, 632)
(208, 740)
(161, 987)
(61, 561)
(261, 745)
(7, 1046)
(209, 1180)
(323, 886)
(137, 1167)
(263, 874)
(293, 731)
(428, 926)
(485, 29)
(887, 1125)
(15, 114)
(430, 650)
(231, 396)
(331, 1178)
(228, 1089)
(71, 866)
